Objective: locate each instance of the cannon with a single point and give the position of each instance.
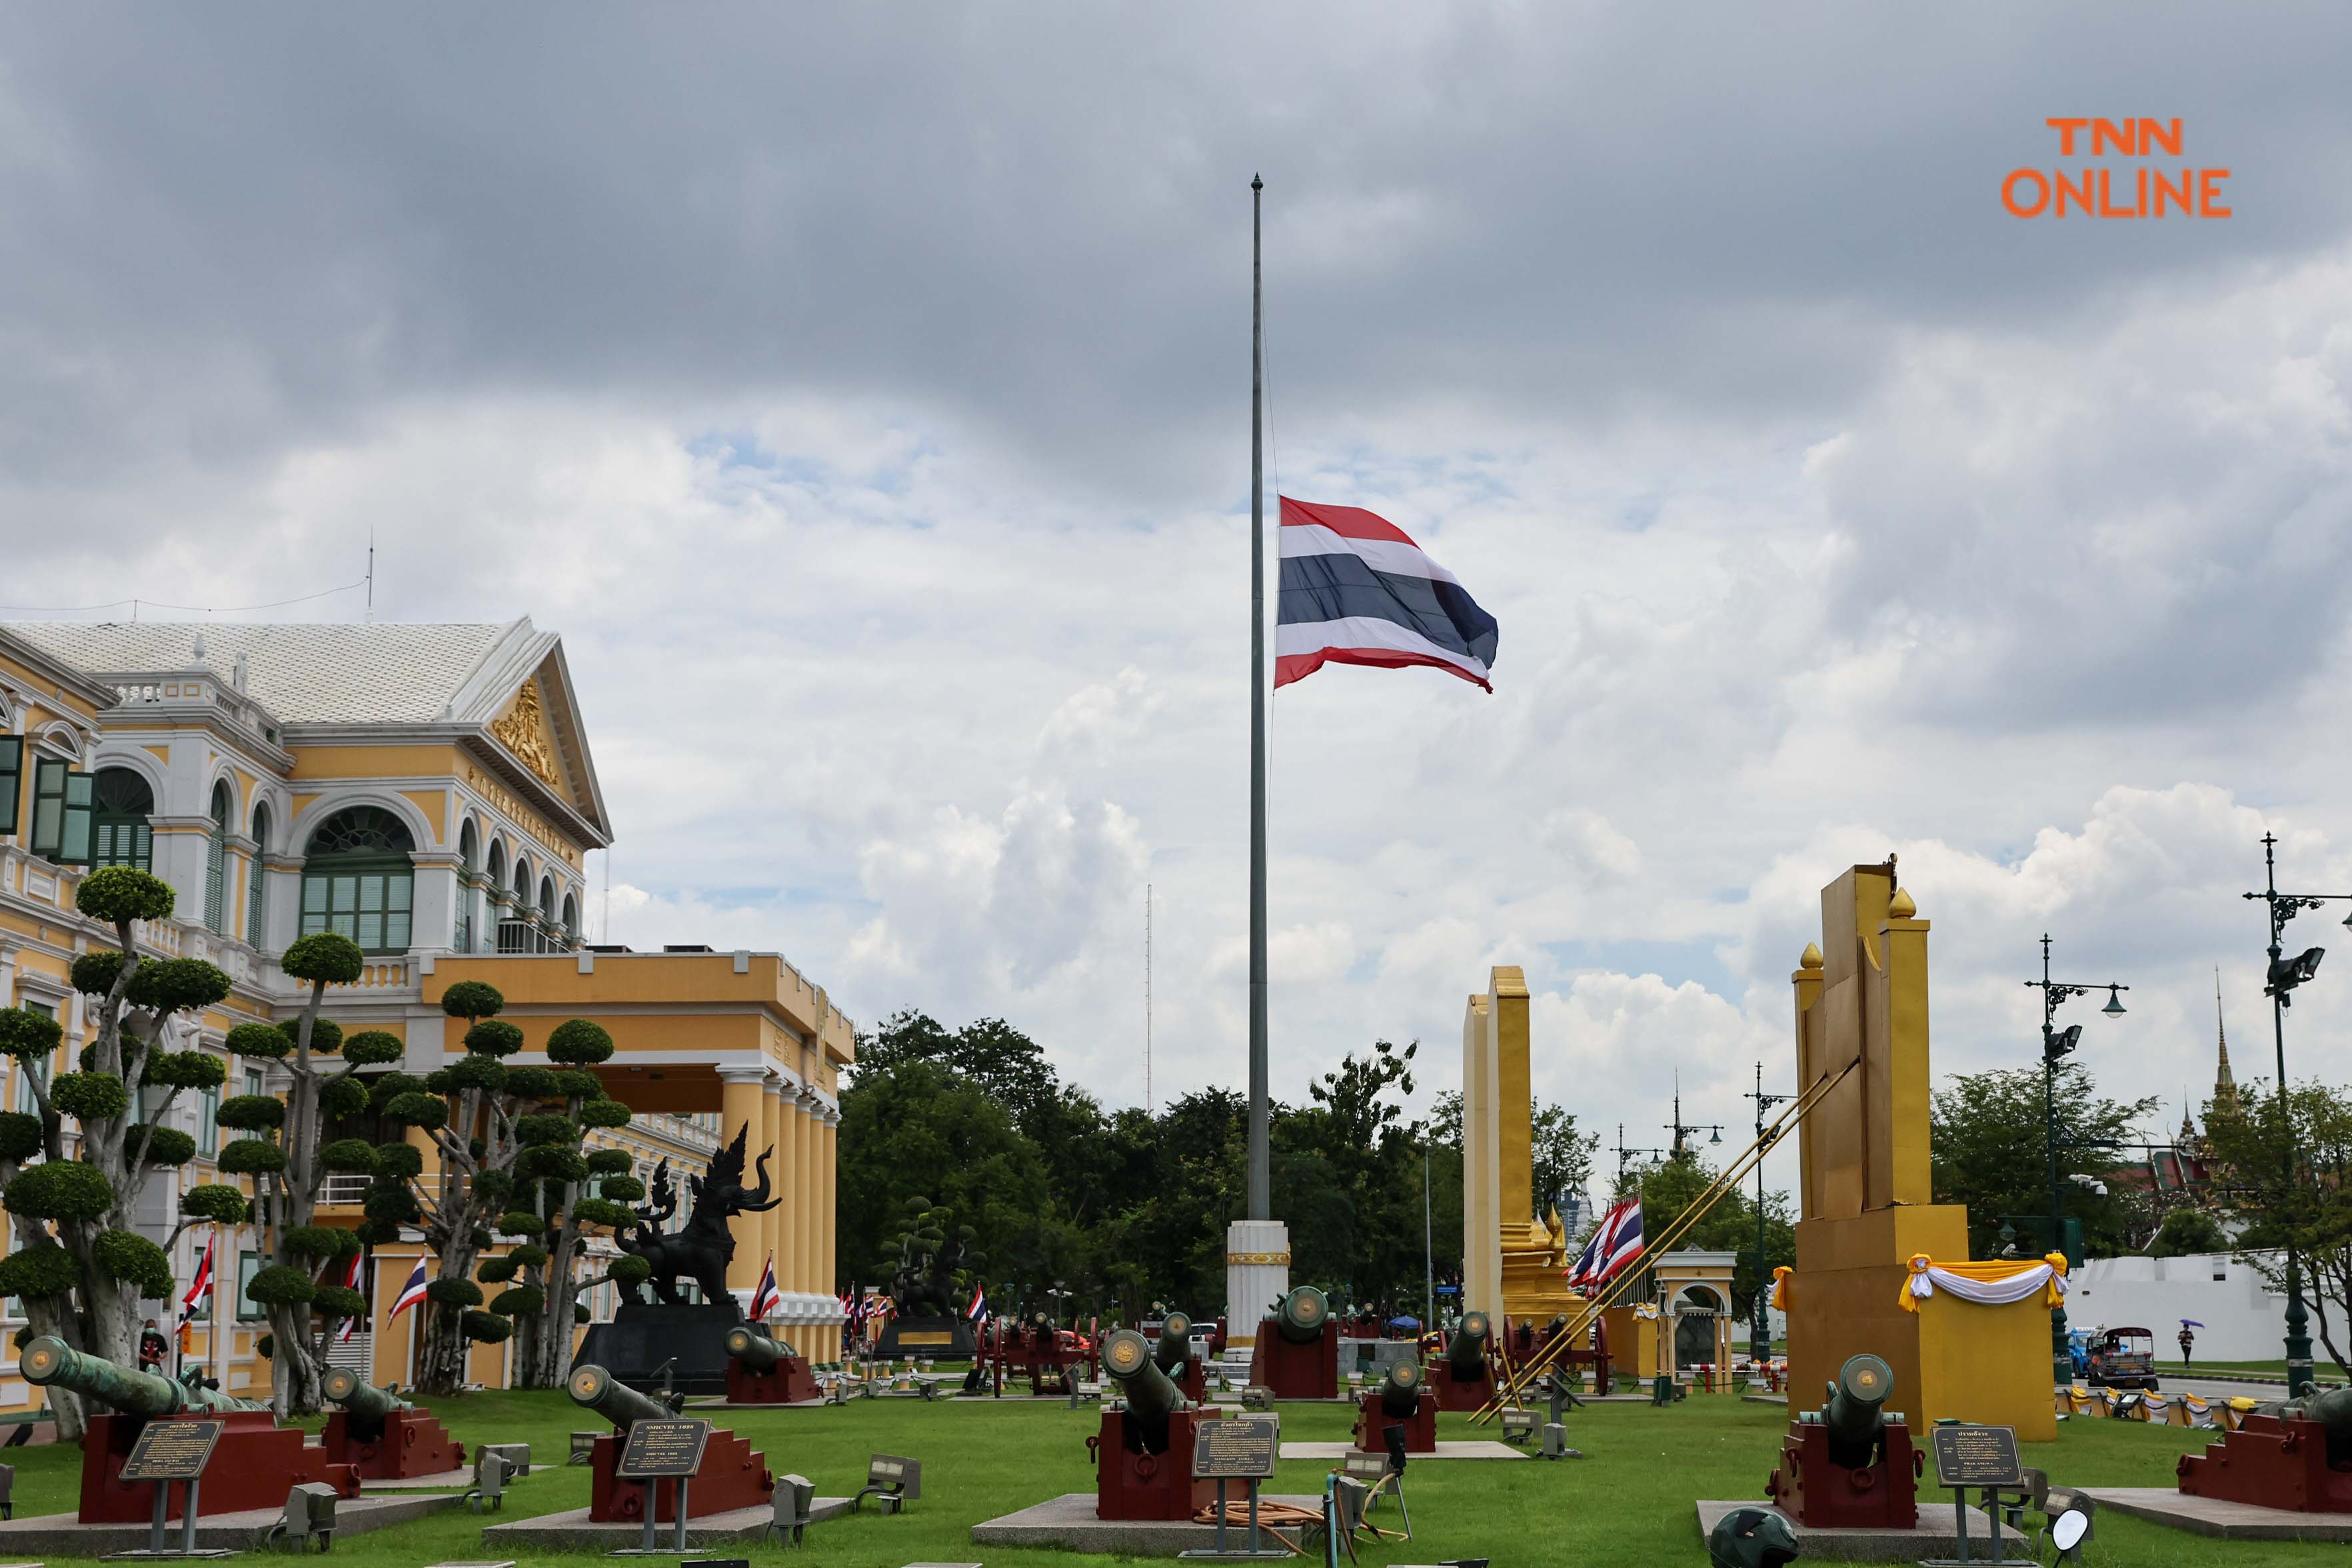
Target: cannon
(1174, 1355)
(1298, 1349)
(1460, 1380)
(1300, 1316)
(731, 1476)
(250, 1468)
(1398, 1399)
(1143, 1454)
(1851, 1463)
(383, 1435)
(764, 1371)
(2296, 1456)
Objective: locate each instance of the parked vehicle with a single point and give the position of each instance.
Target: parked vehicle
(2122, 1358)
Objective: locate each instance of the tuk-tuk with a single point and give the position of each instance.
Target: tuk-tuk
(2123, 1358)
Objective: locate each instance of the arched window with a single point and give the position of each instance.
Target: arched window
(216, 862)
(547, 897)
(120, 831)
(516, 932)
(257, 895)
(357, 879)
(571, 918)
(469, 853)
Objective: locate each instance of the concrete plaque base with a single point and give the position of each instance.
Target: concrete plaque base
(1068, 1522)
(63, 1535)
(1932, 1537)
(571, 1531)
(2214, 1516)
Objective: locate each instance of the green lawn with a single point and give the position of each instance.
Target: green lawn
(1628, 1503)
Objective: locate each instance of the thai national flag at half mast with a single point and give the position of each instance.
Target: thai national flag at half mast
(1357, 591)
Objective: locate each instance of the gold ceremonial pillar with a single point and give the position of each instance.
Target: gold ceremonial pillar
(1868, 1202)
(742, 1092)
(771, 1221)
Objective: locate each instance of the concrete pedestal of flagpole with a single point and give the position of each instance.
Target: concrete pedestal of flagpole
(1257, 1274)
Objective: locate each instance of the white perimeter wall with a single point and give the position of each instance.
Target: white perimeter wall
(2242, 1321)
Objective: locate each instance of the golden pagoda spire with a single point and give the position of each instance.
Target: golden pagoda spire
(2225, 1088)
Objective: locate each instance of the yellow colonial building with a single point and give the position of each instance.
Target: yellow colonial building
(428, 791)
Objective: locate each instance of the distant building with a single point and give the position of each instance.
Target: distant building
(428, 791)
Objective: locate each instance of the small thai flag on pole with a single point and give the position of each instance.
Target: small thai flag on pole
(200, 1286)
(1624, 1249)
(351, 1283)
(767, 1300)
(412, 1292)
(979, 1308)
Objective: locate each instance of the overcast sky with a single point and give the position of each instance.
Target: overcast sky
(864, 397)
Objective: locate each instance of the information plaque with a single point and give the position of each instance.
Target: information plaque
(171, 1451)
(1236, 1448)
(656, 1449)
(1976, 1457)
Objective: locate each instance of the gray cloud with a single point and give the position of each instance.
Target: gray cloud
(862, 394)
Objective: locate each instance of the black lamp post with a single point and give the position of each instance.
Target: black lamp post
(2056, 1044)
(1678, 1127)
(2281, 978)
(1760, 1328)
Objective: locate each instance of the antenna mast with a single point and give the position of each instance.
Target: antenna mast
(1147, 997)
(370, 577)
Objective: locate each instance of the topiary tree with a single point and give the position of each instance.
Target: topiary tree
(291, 1168)
(482, 1118)
(77, 1260)
(552, 1211)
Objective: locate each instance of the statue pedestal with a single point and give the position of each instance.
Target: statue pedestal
(641, 1336)
(1257, 1275)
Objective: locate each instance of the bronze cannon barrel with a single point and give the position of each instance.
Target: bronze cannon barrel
(1852, 1410)
(1465, 1353)
(2332, 1408)
(597, 1389)
(1175, 1347)
(51, 1363)
(1401, 1389)
(1299, 1316)
(755, 1350)
(1127, 1360)
(361, 1397)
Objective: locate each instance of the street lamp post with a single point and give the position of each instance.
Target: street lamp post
(2056, 1044)
(1760, 1328)
(2282, 977)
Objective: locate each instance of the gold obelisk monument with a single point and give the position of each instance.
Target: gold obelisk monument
(1514, 1261)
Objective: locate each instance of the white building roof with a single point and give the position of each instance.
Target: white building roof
(304, 672)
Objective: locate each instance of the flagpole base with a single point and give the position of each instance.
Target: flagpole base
(1257, 1275)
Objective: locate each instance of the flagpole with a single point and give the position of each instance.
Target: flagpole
(1261, 1202)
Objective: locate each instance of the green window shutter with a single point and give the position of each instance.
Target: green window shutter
(48, 805)
(254, 907)
(12, 780)
(79, 805)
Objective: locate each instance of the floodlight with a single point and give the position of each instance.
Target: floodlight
(2062, 1041)
(2286, 973)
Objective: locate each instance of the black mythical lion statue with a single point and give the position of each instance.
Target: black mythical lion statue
(701, 1249)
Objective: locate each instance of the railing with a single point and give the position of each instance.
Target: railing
(343, 1189)
(390, 972)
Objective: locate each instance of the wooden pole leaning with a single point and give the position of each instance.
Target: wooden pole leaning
(1729, 1181)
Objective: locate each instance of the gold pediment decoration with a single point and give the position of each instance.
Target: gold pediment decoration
(523, 731)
